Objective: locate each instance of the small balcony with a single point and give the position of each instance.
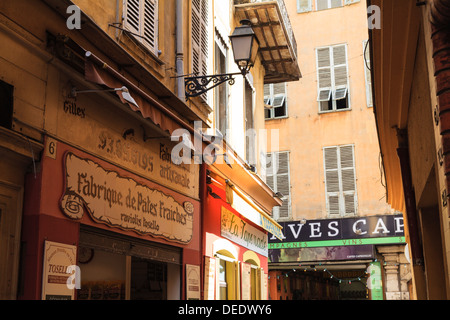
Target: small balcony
(278, 47)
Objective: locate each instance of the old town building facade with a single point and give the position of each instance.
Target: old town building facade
(93, 105)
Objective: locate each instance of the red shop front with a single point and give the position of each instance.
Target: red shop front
(94, 230)
(235, 241)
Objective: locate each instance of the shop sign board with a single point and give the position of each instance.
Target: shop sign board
(57, 274)
(192, 282)
(86, 123)
(123, 203)
(344, 231)
(243, 233)
(335, 239)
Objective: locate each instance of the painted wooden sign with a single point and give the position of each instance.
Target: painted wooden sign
(123, 203)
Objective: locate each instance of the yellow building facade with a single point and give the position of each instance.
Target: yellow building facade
(95, 90)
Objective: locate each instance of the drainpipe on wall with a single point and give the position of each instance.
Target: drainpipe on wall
(180, 53)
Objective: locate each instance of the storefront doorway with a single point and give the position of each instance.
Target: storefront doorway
(115, 267)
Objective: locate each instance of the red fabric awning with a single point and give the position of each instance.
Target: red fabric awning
(149, 107)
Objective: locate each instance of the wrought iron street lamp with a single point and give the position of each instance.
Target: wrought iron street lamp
(245, 48)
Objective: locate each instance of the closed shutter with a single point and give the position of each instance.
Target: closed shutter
(132, 16)
(200, 38)
(141, 19)
(348, 179)
(150, 23)
(278, 178)
(332, 180)
(304, 6)
(366, 48)
(335, 3)
(340, 66)
(340, 180)
(324, 68)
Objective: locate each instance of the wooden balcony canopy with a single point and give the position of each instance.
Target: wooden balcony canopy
(278, 47)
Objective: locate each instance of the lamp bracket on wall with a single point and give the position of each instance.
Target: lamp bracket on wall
(197, 85)
(125, 93)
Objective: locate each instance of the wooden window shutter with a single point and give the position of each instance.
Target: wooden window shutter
(332, 75)
(340, 66)
(348, 179)
(348, 2)
(150, 28)
(132, 16)
(304, 6)
(200, 38)
(278, 178)
(141, 19)
(332, 180)
(335, 3)
(196, 36)
(283, 183)
(366, 48)
(324, 68)
(340, 181)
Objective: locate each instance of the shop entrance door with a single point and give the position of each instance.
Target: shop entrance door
(10, 224)
(148, 279)
(140, 270)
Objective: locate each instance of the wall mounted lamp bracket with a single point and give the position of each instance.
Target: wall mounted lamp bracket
(198, 85)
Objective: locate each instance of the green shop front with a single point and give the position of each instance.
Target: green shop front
(339, 259)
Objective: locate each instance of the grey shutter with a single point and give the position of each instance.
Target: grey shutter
(150, 24)
(348, 2)
(196, 36)
(322, 4)
(340, 180)
(132, 14)
(324, 68)
(283, 183)
(141, 19)
(332, 180)
(340, 66)
(279, 94)
(336, 3)
(366, 48)
(278, 178)
(304, 6)
(200, 38)
(348, 179)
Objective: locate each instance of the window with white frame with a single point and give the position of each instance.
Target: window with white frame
(340, 180)
(368, 74)
(278, 178)
(141, 19)
(332, 78)
(275, 101)
(306, 5)
(200, 38)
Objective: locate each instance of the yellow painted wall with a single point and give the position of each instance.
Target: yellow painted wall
(305, 132)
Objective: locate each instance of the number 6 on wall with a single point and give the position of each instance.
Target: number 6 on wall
(50, 148)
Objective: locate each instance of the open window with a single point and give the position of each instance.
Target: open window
(275, 101)
(332, 74)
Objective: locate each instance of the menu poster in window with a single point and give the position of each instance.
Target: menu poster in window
(210, 278)
(246, 281)
(192, 282)
(58, 257)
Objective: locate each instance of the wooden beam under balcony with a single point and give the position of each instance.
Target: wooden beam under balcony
(278, 48)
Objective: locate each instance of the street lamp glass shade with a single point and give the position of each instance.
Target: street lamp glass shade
(245, 46)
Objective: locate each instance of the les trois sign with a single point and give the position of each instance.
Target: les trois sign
(123, 203)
